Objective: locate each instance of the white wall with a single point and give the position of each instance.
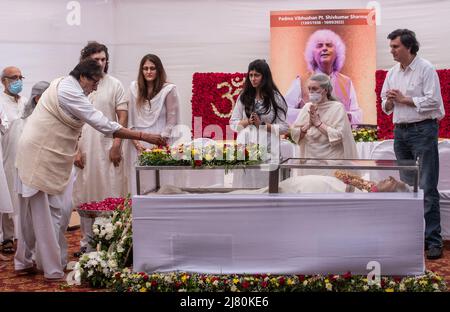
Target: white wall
(189, 36)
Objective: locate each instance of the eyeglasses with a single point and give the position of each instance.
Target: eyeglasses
(14, 78)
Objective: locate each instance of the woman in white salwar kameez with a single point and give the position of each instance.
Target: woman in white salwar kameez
(259, 116)
(322, 129)
(153, 107)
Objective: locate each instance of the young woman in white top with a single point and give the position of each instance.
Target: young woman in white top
(153, 107)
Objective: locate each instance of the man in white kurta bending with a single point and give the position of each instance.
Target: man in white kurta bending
(100, 159)
(46, 152)
(13, 104)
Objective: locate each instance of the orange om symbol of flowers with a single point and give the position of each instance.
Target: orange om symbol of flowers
(237, 83)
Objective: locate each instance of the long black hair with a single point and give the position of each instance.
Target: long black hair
(268, 89)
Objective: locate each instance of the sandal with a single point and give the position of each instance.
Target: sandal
(8, 247)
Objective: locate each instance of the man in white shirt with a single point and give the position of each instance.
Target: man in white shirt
(13, 104)
(44, 162)
(412, 93)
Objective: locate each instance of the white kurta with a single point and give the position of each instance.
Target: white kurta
(158, 117)
(100, 179)
(6, 205)
(9, 140)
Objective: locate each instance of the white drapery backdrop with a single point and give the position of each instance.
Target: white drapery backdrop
(189, 36)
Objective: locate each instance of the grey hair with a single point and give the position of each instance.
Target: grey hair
(325, 83)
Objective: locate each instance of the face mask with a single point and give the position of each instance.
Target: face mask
(15, 87)
(315, 97)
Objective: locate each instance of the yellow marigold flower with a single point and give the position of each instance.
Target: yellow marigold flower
(389, 290)
(207, 280)
(423, 283)
(208, 157)
(184, 278)
(143, 289)
(326, 281)
(235, 280)
(290, 281)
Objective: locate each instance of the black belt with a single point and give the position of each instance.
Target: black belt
(413, 124)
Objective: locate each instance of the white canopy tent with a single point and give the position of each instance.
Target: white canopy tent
(44, 40)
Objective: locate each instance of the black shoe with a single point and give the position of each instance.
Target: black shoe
(7, 247)
(434, 253)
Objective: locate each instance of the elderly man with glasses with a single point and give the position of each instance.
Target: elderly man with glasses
(13, 105)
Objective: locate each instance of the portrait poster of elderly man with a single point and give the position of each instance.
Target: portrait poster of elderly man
(334, 49)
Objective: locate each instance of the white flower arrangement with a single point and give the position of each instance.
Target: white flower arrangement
(112, 238)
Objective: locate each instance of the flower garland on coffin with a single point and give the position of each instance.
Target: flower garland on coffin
(204, 155)
(356, 181)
